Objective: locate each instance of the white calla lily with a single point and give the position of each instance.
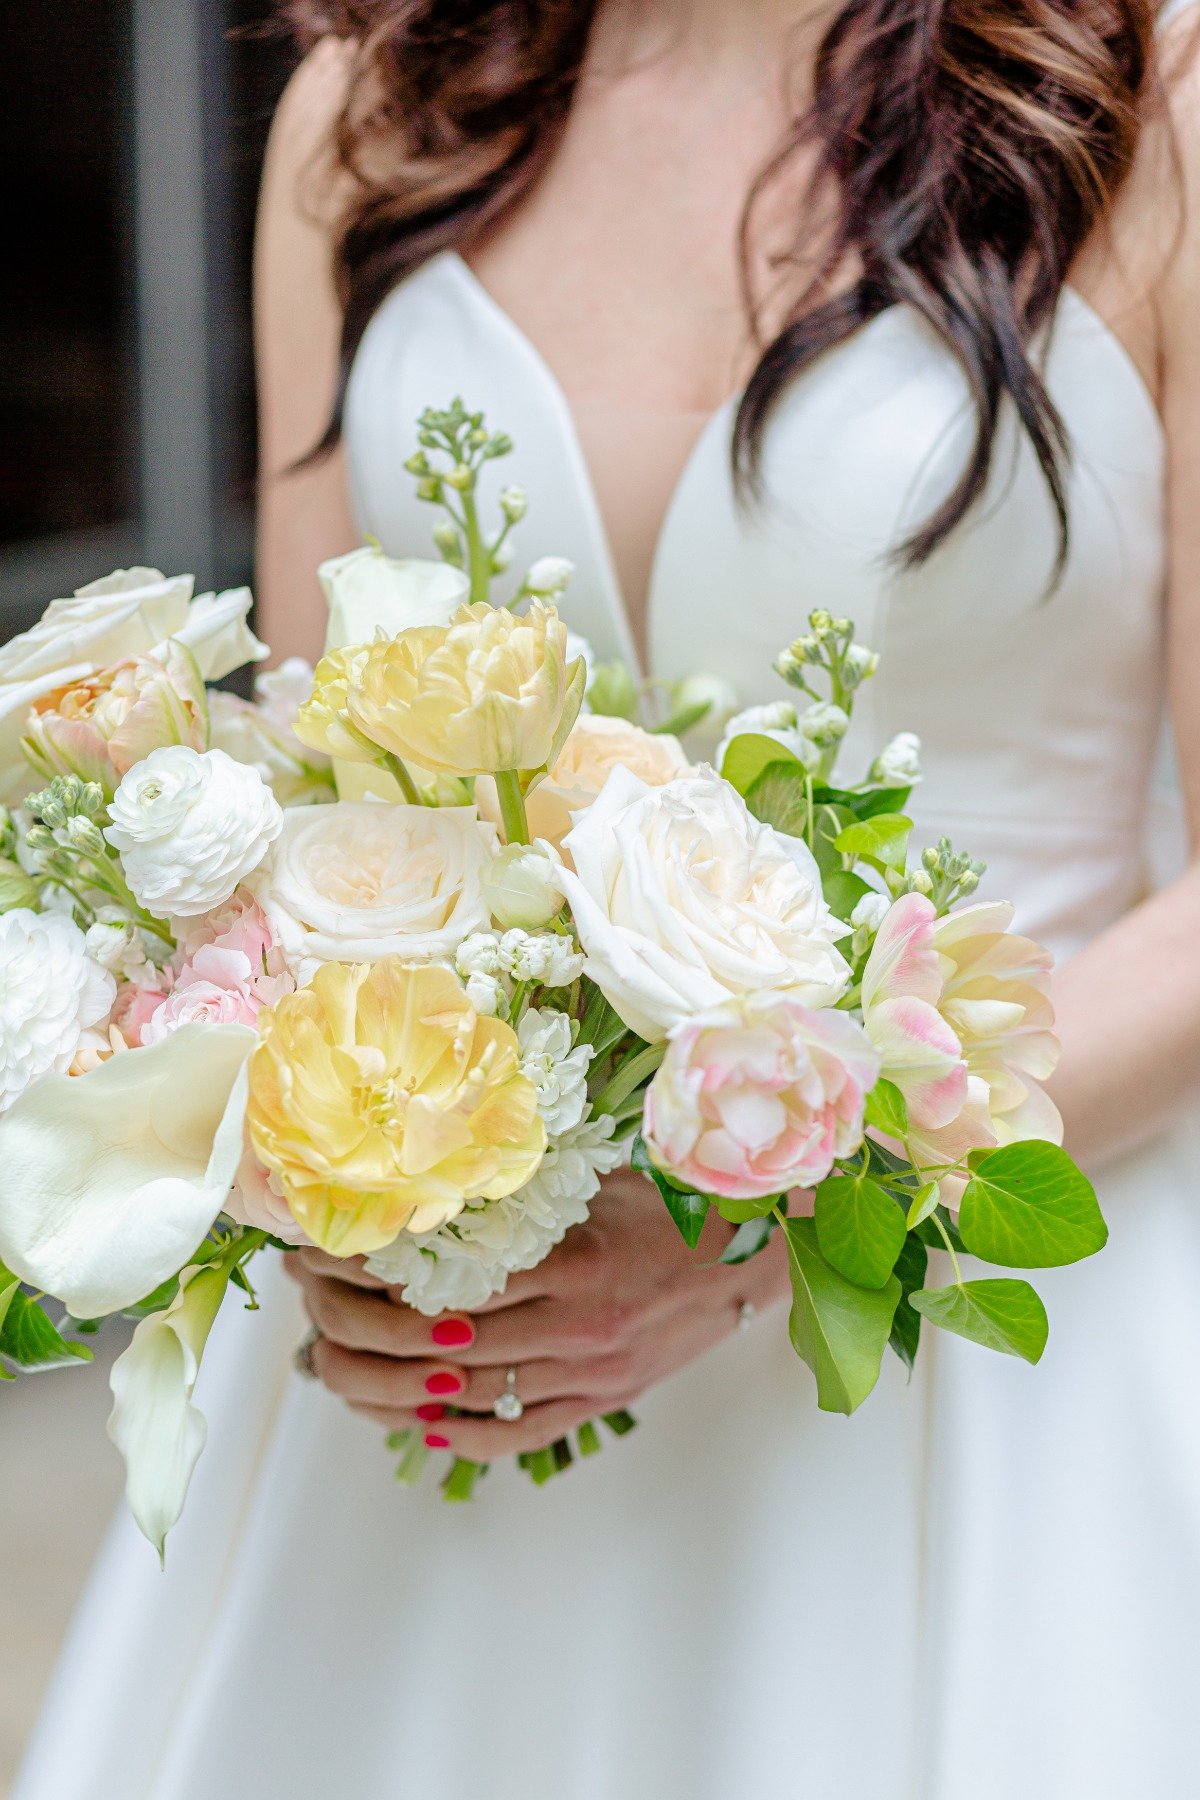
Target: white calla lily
(153, 1423)
(112, 1178)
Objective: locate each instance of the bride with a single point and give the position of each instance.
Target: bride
(889, 307)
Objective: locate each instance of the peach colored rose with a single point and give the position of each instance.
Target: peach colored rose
(596, 746)
(759, 1096)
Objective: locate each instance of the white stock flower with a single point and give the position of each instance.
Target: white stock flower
(899, 764)
(542, 956)
(870, 912)
(521, 885)
(550, 576)
(779, 720)
(682, 899)
(486, 994)
(461, 1266)
(51, 992)
(112, 1178)
(127, 614)
(153, 1422)
(355, 882)
(825, 725)
(189, 826)
(479, 954)
(557, 1067)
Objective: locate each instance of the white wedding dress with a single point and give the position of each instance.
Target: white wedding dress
(987, 1583)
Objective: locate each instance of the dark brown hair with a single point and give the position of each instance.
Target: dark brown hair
(969, 146)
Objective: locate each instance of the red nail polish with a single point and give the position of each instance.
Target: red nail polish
(430, 1413)
(435, 1441)
(443, 1384)
(453, 1334)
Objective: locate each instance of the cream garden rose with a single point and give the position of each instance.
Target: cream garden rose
(596, 747)
(683, 900)
(355, 882)
(128, 614)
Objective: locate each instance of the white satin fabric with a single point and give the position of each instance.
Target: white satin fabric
(987, 1583)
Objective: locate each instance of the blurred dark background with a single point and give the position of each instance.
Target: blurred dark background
(131, 143)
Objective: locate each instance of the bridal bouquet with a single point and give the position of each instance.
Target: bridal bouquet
(402, 958)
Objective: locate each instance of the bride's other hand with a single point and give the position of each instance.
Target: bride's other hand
(621, 1304)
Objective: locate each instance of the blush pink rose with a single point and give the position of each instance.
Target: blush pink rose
(758, 1096)
(257, 1202)
(226, 968)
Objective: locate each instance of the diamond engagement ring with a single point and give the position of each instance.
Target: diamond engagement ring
(302, 1361)
(747, 1313)
(509, 1407)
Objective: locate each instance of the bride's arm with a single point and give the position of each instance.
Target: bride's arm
(303, 516)
(1129, 1004)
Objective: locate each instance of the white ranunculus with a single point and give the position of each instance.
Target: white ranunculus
(356, 882)
(557, 1067)
(153, 1423)
(521, 885)
(51, 992)
(899, 764)
(112, 1178)
(460, 1267)
(369, 593)
(128, 614)
(779, 720)
(189, 826)
(682, 899)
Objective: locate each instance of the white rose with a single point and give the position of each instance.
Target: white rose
(128, 614)
(682, 899)
(357, 881)
(557, 1067)
(521, 885)
(780, 721)
(189, 827)
(369, 592)
(899, 765)
(51, 992)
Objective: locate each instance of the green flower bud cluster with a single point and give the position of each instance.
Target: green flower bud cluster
(952, 875)
(66, 798)
(454, 446)
(8, 832)
(828, 651)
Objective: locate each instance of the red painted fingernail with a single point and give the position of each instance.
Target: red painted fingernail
(453, 1334)
(435, 1441)
(444, 1384)
(431, 1413)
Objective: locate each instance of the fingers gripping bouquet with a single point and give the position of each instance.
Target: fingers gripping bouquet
(520, 936)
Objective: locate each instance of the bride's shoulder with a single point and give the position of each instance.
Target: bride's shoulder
(303, 170)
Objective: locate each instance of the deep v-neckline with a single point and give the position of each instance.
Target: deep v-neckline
(556, 396)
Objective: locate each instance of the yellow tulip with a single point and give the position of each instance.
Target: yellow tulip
(491, 692)
(383, 1102)
(322, 722)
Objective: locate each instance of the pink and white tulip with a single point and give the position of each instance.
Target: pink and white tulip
(759, 1096)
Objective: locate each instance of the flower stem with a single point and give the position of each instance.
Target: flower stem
(400, 775)
(512, 807)
(479, 557)
(627, 1078)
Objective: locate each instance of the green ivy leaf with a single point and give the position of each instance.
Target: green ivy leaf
(689, 1210)
(829, 823)
(911, 1270)
(1001, 1315)
(779, 797)
(865, 803)
(925, 1204)
(740, 1212)
(843, 891)
(750, 754)
(860, 1229)
(840, 1330)
(1027, 1206)
(887, 1109)
(883, 840)
(748, 1240)
(29, 1340)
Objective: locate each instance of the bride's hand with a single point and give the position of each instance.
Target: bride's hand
(621, 1304)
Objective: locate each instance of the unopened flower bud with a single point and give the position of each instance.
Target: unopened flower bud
(825, 725)
(459, 478)
(899, 765)
(445, 536)
(499, 445)
(521, 886)
(39, 838)
(550, 576)
(932, 860)
(430, 489)
(859, 665)
(968, 883)
(820, 622)
(920, 882)
(514, 504)
(485, 994)
(418, 463)
(502, 555)
(870, 912)
(84, 835)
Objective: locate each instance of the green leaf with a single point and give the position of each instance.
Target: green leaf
(740, 1212)
(1028, 1207)
(688, 1210)
(865, 803)
(911, 1271)
(843, 891)
(780, 798)
(932, 1238)
(829, 822)
(1001, 1315)
(841, 1331)
(883, 839)
(750, 754)
(29, 1340)
(860, 1229)
(924, 1205)
(9, 1286)
(748, 1240)
(887, 1109)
